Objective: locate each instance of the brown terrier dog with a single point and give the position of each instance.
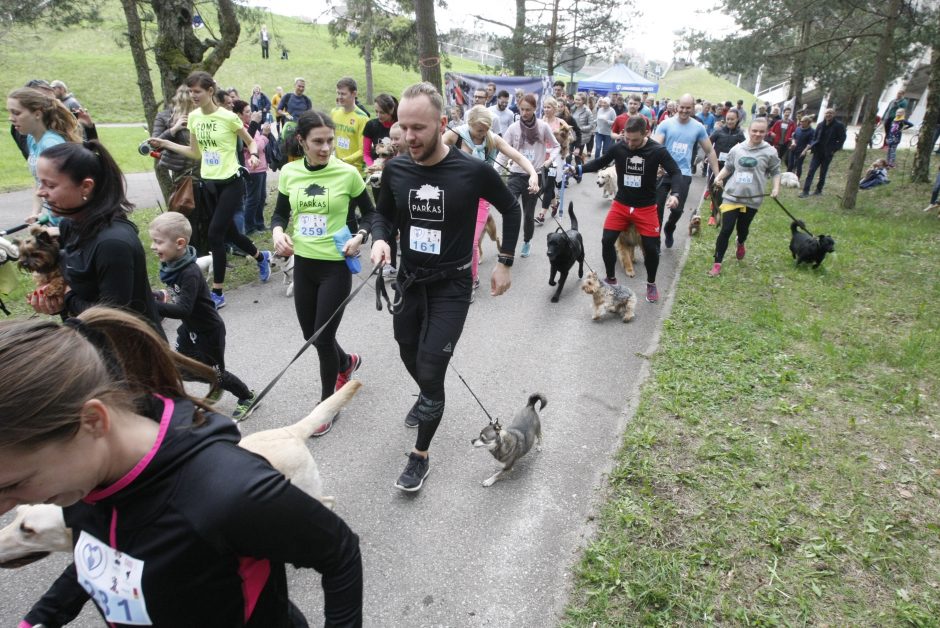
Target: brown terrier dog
(490, 229)
(626, 245)
(39, 254)
(607, 298)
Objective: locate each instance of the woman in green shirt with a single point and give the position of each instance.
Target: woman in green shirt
(213, 140)
(322, 193)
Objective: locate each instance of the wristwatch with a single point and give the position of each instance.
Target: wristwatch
(505, 260)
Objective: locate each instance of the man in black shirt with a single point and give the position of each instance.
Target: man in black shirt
(637, 161)
(430, 196)
(827, 141)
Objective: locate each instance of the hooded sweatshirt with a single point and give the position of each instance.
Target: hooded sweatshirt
(203, 530)
(750, 168)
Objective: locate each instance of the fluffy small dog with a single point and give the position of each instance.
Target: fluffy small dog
(607, 181)
(383, 152)
(807, 249)
(789, 180)
(564, 135)
(510, 444)
(626, 245)
(606, 298)
(564, 249)
(39, 254)
(489, 229)
(40, 529)
(695, 224)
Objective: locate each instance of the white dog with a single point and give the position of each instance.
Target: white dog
(607, 180)
(789, 180)
(289, 277)
(40, 529)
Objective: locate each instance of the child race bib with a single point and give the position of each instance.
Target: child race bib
(112, 580)
(312, 225)
(342, 142)
(744, 178)
(425, 240)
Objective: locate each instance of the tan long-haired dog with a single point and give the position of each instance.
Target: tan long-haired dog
(606, 298)
(39, 254)
(626, 245)
(607, 181)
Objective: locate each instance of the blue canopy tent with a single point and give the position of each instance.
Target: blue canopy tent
(618, 78)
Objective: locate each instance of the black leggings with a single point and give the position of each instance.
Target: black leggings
(730, 220)
(650, 246)
(663, 189)
(319, 287)
(223, 199)
(519, 186)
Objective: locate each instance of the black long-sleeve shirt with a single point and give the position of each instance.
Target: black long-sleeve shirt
(637, 170)
(435, 208)
(191, 301)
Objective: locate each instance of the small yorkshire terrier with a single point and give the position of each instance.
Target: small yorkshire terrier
(607, 298)
(695, 224)
(39, 254)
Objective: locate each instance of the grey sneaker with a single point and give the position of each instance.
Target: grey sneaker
(412, 478)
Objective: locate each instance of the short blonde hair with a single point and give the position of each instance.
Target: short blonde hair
(172, 225)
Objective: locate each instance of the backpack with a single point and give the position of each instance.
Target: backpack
(274, 154)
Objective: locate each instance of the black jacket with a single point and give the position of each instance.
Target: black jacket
(828, 138)
(215, 526)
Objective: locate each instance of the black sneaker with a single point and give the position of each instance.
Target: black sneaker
(412, 478)
(669, 240)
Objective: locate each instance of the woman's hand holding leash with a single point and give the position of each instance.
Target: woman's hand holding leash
(381, 253)
(283, 245)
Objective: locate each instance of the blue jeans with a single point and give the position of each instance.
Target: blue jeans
(935, 194)
(601, 144)
(819, 162)
(255, 198)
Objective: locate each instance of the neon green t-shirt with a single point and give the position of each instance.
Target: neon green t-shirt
(319, 203)
(217, 137)
(349, 127)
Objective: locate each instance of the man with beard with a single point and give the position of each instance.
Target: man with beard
(503, 117)
(431, 198)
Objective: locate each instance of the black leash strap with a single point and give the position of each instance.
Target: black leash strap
(4, 232)
(315, 335)
(798, 222)
(381, 293)
(477, 399)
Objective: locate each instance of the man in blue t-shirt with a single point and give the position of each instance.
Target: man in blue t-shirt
(679, 134)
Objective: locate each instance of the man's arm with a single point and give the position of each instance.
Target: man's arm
(498, 195)
(709, 150)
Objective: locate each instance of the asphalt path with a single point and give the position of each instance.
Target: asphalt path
(455, 554)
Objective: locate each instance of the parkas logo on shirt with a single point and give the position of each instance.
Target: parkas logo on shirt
(635, 165)
(317, 198)
(426, 203)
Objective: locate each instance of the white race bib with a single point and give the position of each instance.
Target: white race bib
(312, 225)
(552, 172)
(722, 156)
(342, 142)
(211, 158)
(631, 180)
(425, 240)
(112, 580)
(679, 148)
(744, 178)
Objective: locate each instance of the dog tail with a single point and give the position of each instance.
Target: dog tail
(574, 219)
(797, 224)
(325, 411)
(538, 397)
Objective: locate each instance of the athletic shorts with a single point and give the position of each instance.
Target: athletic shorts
(646, 219)
(433, 314)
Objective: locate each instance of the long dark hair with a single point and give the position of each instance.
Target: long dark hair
(389, 104)
(90, 160)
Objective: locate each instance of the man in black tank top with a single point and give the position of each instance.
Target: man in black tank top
(430, 196)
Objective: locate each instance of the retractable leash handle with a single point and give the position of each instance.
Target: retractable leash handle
(4, 232)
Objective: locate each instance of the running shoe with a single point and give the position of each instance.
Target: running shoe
(539, 221)
(215, 394)
(669, 239)
(218, 299)
(355, 361)
(244, 407)
(610, 281)
(739, 253)
(716, 270)
(711, 221)
(803, 194)
(264, 266)
(817, 193)
(417, 469)
(526, 249)
(323, 429)
(652, 294)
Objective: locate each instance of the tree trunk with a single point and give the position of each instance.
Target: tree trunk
(178, 51)
(367, 27)
(429, 55)
(552, 39)
(921, 170)
(799, 67)
(878, 81)
(517, 60)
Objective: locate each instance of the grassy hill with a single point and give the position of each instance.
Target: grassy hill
(702, 84)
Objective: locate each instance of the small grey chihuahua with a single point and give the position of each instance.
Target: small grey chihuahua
(510, 444)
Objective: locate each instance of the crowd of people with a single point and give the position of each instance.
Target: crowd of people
(113, 421)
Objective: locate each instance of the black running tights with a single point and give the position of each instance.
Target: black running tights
(650, 246)
(730, 220)
(428, 371)
(224, 198)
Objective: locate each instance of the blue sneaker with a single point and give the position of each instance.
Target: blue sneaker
(218, 299)
(526, 249)
(264, 266)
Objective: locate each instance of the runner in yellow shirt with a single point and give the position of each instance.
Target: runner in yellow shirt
(350, 121)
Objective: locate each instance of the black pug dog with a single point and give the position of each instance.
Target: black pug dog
(805, 248)
(564, 249)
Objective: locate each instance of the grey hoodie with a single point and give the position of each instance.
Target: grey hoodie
(750, 168)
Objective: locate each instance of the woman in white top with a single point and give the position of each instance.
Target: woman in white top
(533, 138)
(475, 138)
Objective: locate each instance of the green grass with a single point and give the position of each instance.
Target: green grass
(701, 84)
(782, 467)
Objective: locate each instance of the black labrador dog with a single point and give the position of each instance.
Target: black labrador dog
(564, 249)
(805, 248)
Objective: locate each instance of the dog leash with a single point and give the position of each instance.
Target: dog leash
(799, 223)
(4, 232)
(313, 338)
(494, 422)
